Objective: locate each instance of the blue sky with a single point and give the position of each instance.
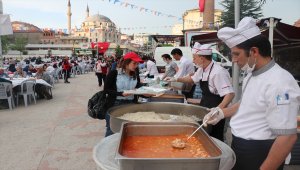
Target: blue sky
(52, 13)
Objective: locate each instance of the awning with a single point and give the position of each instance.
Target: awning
(285, 36)
(168, 38)
(205, 38)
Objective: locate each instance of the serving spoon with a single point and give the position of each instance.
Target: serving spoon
(180, 143)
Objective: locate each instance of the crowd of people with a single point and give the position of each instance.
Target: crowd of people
(48, 69)
(263, 122)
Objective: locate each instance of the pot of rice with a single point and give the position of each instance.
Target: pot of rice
(155, 112)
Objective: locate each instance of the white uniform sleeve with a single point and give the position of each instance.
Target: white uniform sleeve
(186, 67)
(180, 72)
(197, 76)
(148, 66)
(222, 83)
(283, 105)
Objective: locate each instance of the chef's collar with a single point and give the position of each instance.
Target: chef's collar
(209, 66)
(264, 68)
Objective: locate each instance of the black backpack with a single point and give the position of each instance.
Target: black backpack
(98, 105)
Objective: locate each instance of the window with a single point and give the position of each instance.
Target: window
(216, 57)
(91, 40)
(96, 39)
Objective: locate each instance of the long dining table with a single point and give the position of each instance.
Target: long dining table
(18, 81)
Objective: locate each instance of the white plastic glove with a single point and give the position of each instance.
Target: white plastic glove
(213, 119)
(170, 79)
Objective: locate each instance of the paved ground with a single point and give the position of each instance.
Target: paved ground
(55, 134)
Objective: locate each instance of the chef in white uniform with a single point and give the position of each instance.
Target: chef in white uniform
(264, 121)
(214, 81)
(185, 67)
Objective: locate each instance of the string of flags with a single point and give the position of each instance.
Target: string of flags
(110, 30)
(147, 10)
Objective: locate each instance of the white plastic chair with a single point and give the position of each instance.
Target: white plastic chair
(27, 91)
(52, 80)
(7, 93)
(56, 75)
(86, 69)
(73, 71)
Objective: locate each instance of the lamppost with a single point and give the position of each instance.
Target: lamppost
(1, 12)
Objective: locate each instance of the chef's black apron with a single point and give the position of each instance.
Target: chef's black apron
(211, 100)
(250, 154)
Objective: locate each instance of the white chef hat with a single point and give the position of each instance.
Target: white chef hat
(204, 49)
(246, 30)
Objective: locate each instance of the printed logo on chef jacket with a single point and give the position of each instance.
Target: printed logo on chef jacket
(283, 99)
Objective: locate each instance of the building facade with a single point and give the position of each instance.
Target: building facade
(194, 19)
(31, 33)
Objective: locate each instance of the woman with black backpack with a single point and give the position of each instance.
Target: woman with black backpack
(126, 77)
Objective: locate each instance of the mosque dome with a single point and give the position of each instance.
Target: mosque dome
(19, 26)
(97, 18)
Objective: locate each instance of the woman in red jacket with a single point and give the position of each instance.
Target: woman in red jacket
(66, 68)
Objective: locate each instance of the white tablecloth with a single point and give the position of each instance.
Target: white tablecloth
(18, 81)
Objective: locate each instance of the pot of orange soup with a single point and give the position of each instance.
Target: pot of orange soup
(148, 146)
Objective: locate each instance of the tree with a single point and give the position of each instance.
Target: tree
(5, 44)
(19, 44)
(251, 8)
(119, 52)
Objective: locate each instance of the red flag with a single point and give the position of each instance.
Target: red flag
(102, 46)
(201, 5)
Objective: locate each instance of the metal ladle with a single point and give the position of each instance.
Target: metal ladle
(180, 144)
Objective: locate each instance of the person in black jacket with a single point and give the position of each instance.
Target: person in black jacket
(126, 77)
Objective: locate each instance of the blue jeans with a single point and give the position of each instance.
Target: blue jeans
(107, 116)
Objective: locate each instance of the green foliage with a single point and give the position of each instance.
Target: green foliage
(5, 44)
(250, 8)
(119, 52)
(19, 44)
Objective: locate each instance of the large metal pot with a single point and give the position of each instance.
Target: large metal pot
(158, 107)
(167, 163)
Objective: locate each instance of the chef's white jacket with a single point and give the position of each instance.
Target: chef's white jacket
(185, 67)
(219, 79)
(151, 68)
(269, 105)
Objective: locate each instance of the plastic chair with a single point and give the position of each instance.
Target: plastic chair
(52, 80)
(73, 71)
(86, 69)
(6, 92)
(56, 75)
(27, 90)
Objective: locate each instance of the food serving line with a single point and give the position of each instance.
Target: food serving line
(112, 152)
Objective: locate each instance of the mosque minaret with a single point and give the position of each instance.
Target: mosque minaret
(69, 14)
(87, 11)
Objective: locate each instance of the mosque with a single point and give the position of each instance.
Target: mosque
(97, 28)
(94, 28)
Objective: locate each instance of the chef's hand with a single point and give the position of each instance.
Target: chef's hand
(170, 79)
(213, 119)
(126, 94)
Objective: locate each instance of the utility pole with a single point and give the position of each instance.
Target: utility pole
(235, 69)
(1, 12)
